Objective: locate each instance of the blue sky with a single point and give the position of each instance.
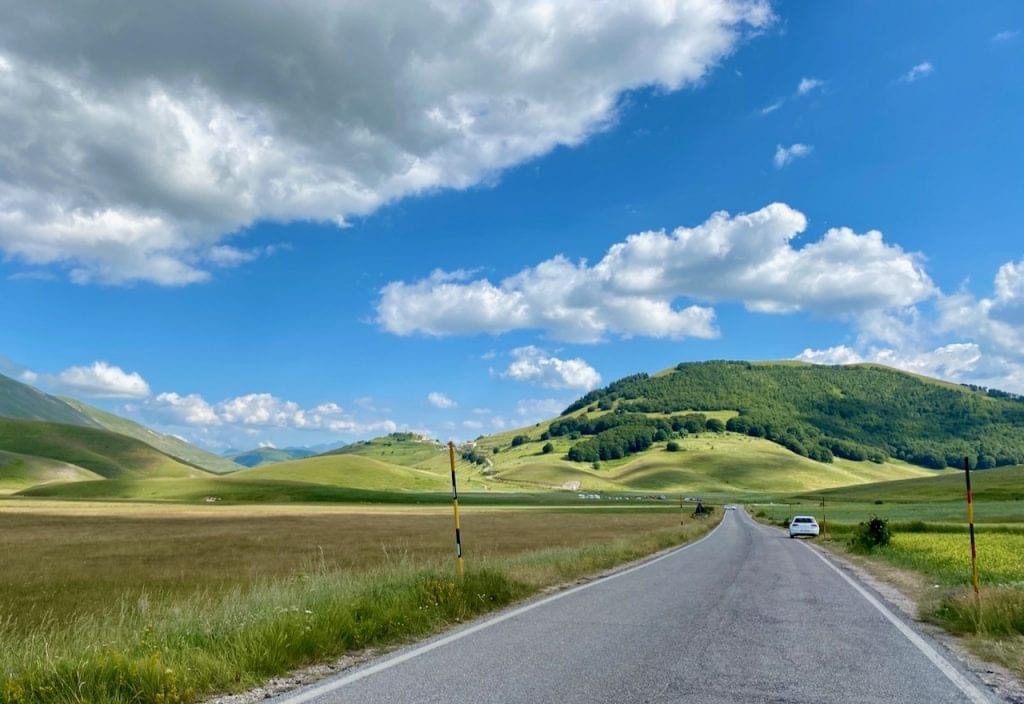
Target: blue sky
(208, 289)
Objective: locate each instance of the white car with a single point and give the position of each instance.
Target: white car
(803, 525)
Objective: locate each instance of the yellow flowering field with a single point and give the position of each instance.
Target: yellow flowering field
(946, 556)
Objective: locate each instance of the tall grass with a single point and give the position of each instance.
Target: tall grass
(180, 651)
(999, 611)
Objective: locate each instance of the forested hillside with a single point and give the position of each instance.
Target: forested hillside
(859, 412)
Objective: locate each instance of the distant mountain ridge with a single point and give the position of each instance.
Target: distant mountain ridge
(270, 455)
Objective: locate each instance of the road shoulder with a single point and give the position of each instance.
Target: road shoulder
(897, 588)
(902, 591)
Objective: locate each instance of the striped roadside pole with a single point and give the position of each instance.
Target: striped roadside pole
(455, 510)
(970, 527)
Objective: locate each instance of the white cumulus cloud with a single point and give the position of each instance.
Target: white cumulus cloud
(785, 155)
(175, 409)
(134, 145)
(964, 337)
(534, 365)
(440, 400)
(257, 411)
(633, 289)
(98, 380)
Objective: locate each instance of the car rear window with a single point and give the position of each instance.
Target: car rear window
(803, 520)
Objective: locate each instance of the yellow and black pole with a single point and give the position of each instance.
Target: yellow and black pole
(455, 510)
(970, 527)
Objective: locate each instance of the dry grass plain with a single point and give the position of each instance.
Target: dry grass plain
(67, 559)
(135, 604)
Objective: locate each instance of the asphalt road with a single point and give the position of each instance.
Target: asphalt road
(744, 615)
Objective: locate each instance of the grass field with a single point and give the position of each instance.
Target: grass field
(944, 556)
(166, 603)
(165, 553)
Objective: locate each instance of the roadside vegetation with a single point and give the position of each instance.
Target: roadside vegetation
(200, 603)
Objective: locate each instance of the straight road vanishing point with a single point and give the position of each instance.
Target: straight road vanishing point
(743, 615)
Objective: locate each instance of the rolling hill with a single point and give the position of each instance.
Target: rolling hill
(19, 471)
(1002, 484)
(406, 449)
(703, 461)
(351, 471)
(18, 400)
(168, 444)
(729, 428)
(99, 451)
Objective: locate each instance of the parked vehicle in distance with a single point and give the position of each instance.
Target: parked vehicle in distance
(803, 525)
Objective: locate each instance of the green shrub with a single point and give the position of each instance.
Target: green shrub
(519, 440)
(714, 425)
(870, 534)
(672, 446)
(548, 448)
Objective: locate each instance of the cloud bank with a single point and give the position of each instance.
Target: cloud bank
(634, 289)
(138, 136)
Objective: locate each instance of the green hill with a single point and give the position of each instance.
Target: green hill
(18, 400)
(168, 444)
(270, 455)
(855, 412)
(107, 454)
(705, 462)
(1003, 484)
(19, 471)
(351, 471)
(406, 449)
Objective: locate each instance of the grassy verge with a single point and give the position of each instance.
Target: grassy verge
(171, 651)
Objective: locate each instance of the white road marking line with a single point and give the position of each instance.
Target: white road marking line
(966, 686)
(327, 687)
